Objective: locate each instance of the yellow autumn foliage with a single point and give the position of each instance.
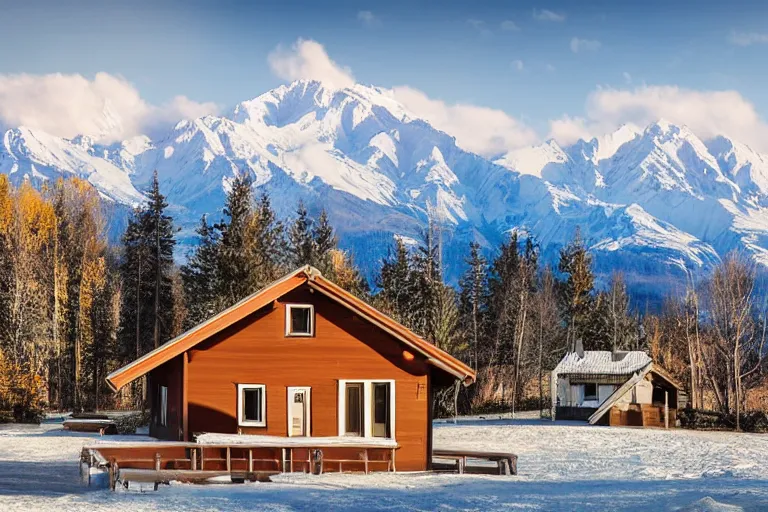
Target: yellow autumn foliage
(21, 393)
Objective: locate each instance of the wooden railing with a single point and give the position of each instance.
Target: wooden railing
(163, 462)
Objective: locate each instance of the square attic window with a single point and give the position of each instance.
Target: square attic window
(299, 320)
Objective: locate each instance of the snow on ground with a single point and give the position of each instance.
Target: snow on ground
(563, 466)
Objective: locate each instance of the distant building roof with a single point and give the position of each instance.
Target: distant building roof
(603, 362)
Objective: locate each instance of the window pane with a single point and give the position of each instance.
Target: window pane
(163, 406)
(300, 320)
(354, 409)
(252, 404)
(381, 410)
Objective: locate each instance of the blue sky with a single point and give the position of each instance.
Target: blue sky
(534, 61)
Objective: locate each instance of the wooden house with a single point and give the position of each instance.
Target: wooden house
(614, 388)
(300, 358)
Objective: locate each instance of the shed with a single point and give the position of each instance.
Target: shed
(624, 388)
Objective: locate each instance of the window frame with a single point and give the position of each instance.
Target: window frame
(288, 326)
(241, 421)
(367, 406)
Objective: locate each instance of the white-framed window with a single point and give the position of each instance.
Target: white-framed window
(162, 416)
(251, 405)
(367, 408)
(299, 320)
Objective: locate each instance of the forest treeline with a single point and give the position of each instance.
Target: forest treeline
(73, 307)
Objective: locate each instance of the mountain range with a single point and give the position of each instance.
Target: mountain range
(656, 202)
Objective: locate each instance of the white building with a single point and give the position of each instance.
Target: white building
(629, 386)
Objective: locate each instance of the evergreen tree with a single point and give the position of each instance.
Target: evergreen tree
(426, 285)
(236, 276)
(301, 242)
(148, 309)
(201, 277)
(159, 229)
(395, 284)
(576, 291)
(503, 287)
(325, 240)
(473, 300)
(268, 244)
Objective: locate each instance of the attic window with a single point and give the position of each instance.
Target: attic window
(299, 320)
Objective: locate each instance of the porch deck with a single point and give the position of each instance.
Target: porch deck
(195, 462)
(166, 461)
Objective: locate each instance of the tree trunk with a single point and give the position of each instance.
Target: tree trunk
(158, 276)
(139, 390)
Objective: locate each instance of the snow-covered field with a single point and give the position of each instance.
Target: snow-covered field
(563, 466)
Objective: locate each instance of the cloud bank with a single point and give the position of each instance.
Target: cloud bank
(706, 113)
(107, 107)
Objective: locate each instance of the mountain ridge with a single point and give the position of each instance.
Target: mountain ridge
(653, 202)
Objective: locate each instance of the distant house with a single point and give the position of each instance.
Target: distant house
(614, 388)
(300, 358)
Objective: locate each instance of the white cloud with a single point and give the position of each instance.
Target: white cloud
(368, 18)
(550, 68)
(107, 107)
(748, 38)
(480, 26)
(483, 130)
(627, 77)
(547, 15)
(518, 64)
(584, 45)
(308, 60)
(509, 25)
(706, 113)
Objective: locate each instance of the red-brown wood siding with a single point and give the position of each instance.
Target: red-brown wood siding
(345, 347)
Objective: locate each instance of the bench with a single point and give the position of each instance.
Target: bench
(506, 462)
(91, 425)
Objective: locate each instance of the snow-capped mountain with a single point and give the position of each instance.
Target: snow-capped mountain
(654, 202)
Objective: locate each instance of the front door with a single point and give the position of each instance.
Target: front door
(298, 412)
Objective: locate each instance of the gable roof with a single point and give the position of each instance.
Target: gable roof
(602, 362)
(627, 386)
(312, 277)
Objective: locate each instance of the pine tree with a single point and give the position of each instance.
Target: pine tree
(301, 242)
(236, 276)
(268, 244)
(324, 240)
(473, 300)
(395, 284)
(426, 284)
(201, 277)
(576, 291)
(503, 287)
(159, 228)
(148, 310)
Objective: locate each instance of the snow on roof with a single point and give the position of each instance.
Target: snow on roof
(603, 362)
